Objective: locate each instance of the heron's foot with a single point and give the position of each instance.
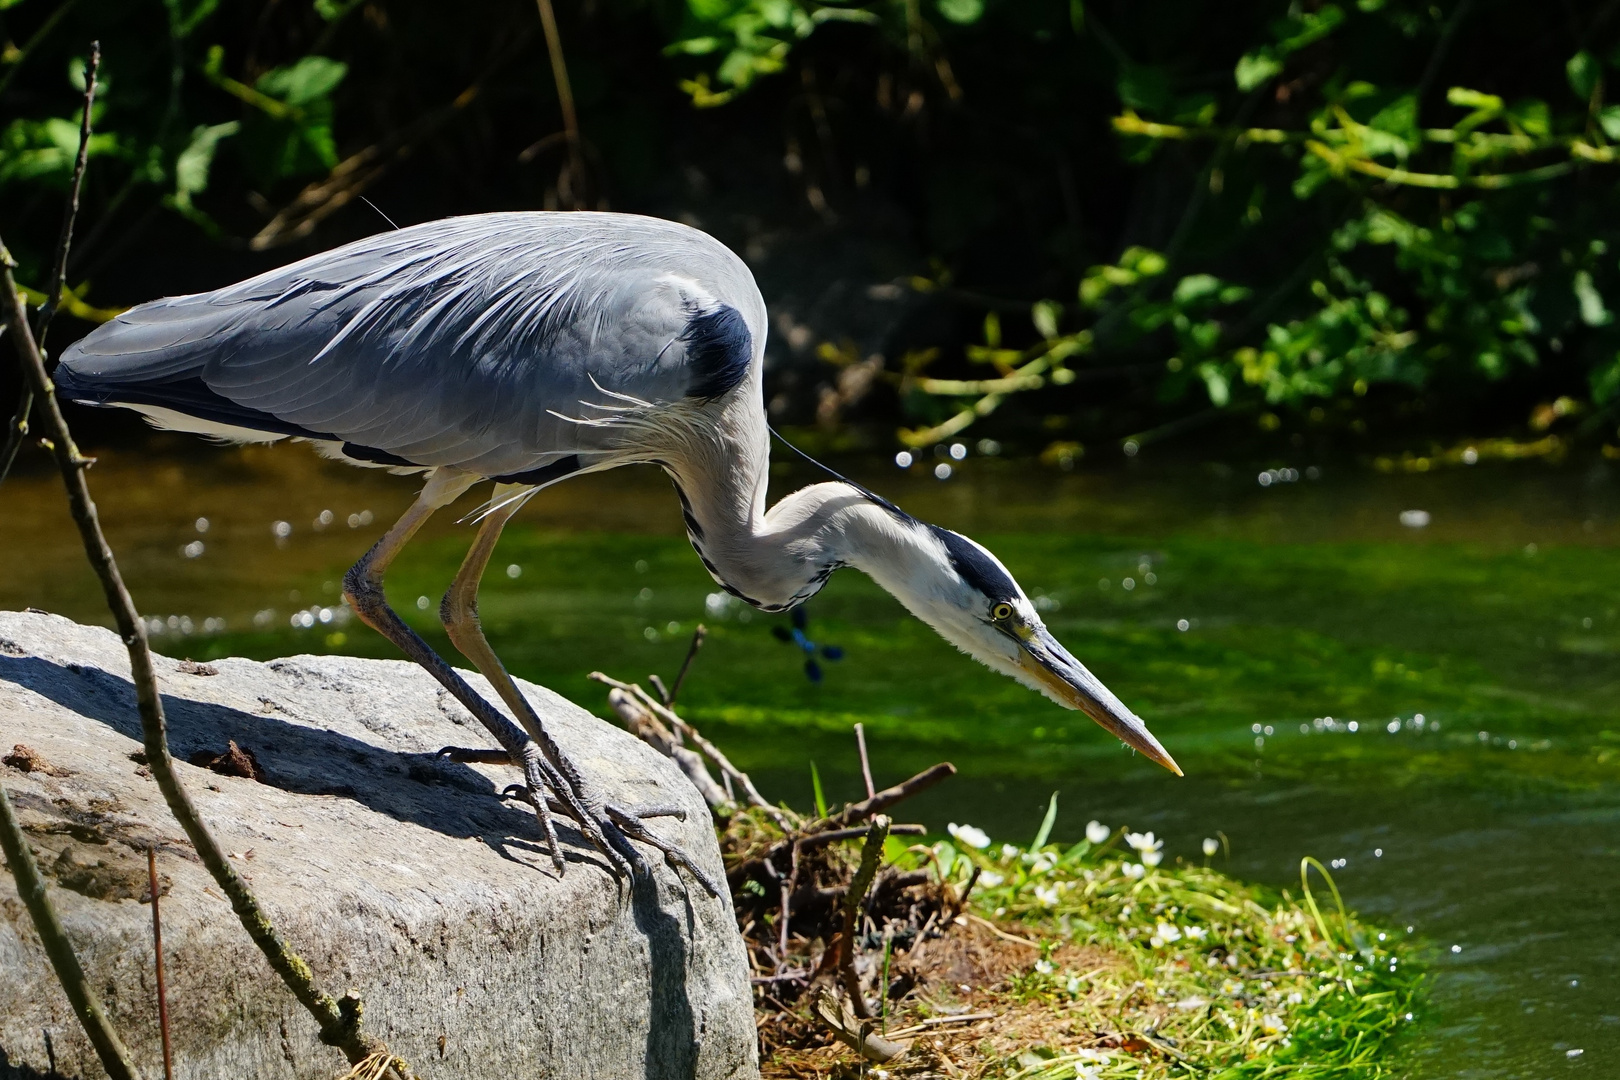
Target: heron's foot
(473, 755)
(617, 826)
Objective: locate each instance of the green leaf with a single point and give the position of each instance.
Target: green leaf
(1593, 311)
(311, 78)
(1047, 822)
(1474, 99)
(1398, 118)
(1532, 116)
(1255, 68)
(1145, 87)
(1195, 287)
(962, 12)
(1220, 391)
(1583, 71)
(815, 785)
(192, 165)
(1609, 118)
(1045, 314)
(1605, 381)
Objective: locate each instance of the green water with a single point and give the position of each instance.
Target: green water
(1491, 828)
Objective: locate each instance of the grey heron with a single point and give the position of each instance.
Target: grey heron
(525, 348)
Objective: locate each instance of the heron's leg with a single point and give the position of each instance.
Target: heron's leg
(363, 586)
(604, 824)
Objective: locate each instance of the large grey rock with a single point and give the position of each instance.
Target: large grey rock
(393, 873)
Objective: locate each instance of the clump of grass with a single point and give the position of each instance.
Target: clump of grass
(1207, 971)
(1097, 961)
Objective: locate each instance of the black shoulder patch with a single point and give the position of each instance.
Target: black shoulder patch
(976, 568)
(186, 394)
(720, 349)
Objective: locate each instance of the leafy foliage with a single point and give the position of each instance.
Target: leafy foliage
(1266, 208)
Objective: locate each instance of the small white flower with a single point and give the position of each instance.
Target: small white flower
(1008, 851)
(1153, 858)
(990, 879)
(1211, 846)
(1097, 832)
(1084, 1072)
(1295, 998)
(1042, 865)
(1272, 1024)
(1044, 967)
(1098, 1056)
(1196, 933)
(1231, 987)
(1047, 894)
(1133, 870)
(1143, 842)
(1167, 933)
(970, 835)
(1073, 985)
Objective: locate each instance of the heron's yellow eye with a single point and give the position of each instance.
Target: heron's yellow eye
(1001, 612)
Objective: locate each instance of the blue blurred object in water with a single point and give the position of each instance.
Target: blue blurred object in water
(795, 635)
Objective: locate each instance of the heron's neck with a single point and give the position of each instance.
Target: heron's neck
(776, 558)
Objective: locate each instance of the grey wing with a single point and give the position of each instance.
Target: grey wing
(497, 343)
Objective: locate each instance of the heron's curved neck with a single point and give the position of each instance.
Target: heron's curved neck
(776, 558)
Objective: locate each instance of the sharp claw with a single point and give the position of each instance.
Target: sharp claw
(608, 829)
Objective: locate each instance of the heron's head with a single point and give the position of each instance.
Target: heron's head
(963, 591)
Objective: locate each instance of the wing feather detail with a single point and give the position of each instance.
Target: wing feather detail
(467, 342)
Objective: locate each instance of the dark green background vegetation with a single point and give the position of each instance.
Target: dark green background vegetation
(1364, 224)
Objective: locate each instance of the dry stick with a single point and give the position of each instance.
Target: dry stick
(789, 884)
(891, 795)
(686, 665)
(686, 730)
(871, 855)
(866, 765)
(835, 823)
(86, 1006)
(650, 730)
(18, 431)
(565, 98)
(338, 1020)
(157, 951)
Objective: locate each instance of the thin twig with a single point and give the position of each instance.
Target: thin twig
(789, 885)
(686, 665)
(575, 193)
(58, 279)
(866, 766)
(834, 824)
(86, 1005)
(338, 1021)
(641, 723)
(871, 855)
(157, 952)
(889, 796)
(687, 731)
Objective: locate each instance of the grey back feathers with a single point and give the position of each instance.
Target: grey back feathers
(504, 344)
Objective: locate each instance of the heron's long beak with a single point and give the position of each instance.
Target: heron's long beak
(1067, 681)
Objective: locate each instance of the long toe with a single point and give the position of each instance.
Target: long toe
(630, 822)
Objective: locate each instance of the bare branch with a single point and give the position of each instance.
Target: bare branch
(339, 1021)
(687, 731)
(58, 279)
(86, 1005)
(157, 952)
(866, 764)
